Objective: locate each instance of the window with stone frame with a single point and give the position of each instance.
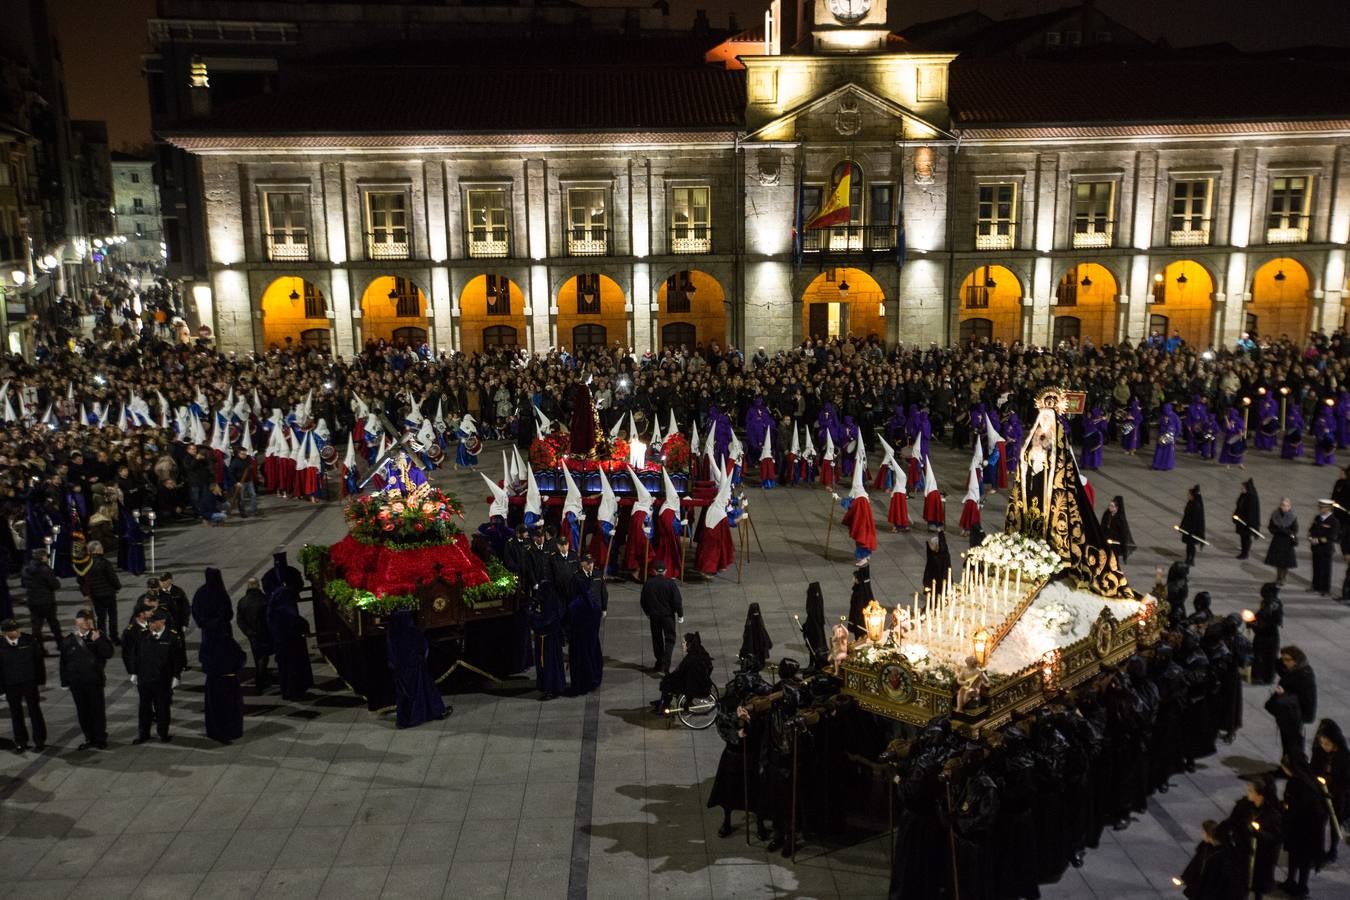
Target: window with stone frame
(1290, 203)
(498, 295)
(286, 224)
(588, 294)
(1093, 207)
(387, 224)
(489, 222)
(587, 221)
(1189, 219)
(690, 230)
(996, 216)
(313, 302)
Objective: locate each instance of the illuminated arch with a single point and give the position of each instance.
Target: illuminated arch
(1087, 293)
(843, 301)
(1183, 302)
(508, 312)
(1281, 300)
(994, 294)
(610, 314)
(294, 308)
(394, 307)
(704, 307)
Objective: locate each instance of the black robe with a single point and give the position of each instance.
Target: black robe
(585, 657)
(222, 659)
(417, 698)
(288, 631)
(1282, 529)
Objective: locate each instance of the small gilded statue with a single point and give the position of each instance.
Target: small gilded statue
(899, 626)
(972, 682)
(838, 647)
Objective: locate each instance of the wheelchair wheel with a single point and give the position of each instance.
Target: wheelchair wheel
(697, 712)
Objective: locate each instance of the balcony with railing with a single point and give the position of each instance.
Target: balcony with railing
(282, 250)
(849, 239)
(493, 243)
(1098, 237)
(1189, 233)
(996, 237)
(381, 246)
(1295, 232)
(690, 239)
(587, 240)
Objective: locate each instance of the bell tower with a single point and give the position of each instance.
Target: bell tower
(841, 27)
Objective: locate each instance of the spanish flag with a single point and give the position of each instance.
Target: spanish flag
(835, 208)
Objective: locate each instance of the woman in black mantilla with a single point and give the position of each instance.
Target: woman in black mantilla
(755, 641)
(1117, 529)
(1247, 516)
(937, 564)
(1265, 625)
(740, 755)
(1331, 762)
(691, 678)
(1260, 806)
(858, 600)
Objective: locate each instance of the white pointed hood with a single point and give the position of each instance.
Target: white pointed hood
(348, 461)
(795, 448)
(674, 427)
(656, 432)
(608, 511)
(545, 423)
(916, 450)
(247, 443)
(887, 452)
(533, 503)
(359, 407)
(717, 509)
(614, 429)
(642, 497)
(810, 451)
(497, 506)
(976, 459)
(670, 497)
(991, 433)
(858, 489)
(163, 410)
(929, 479)
(829, 446)
(693, 439)
(901, 485)
(426, 434)
(972, 485)
(572, 499)
(467, 424)
(517, 464)
(767, 452)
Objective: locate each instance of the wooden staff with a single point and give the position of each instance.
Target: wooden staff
(1184, 533)
(745, 783)
(1249, 528)
(792, 819)
(1331, 809)
(740, 557)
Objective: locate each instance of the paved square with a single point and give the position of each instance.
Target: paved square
(511, 797)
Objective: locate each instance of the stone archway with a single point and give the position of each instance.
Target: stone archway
(294, 314)
(990, 294)
(1087, 293)
(1281, 304)
(695, 299)
(1183, 303)
(491, 314)
(394, 308)
(592, 299)
(841, 302)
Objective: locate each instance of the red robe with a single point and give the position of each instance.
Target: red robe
(308, 482)
(668, 548)
(933, 509)
(1002, 467)
(767, 470)
(787, 474)
(879, 483)
(858, 521)
(638, 552)
(915, 470)
(715, 549)
(898, 515)
(827, 477)
(970, 514)
(1091, 494)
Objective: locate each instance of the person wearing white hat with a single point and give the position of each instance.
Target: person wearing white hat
(1324, 534)
(858, 514)
(638, 551)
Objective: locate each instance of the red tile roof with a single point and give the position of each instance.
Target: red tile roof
(984, 92)
(489, 100)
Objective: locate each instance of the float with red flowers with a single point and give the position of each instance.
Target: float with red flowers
(404, 550)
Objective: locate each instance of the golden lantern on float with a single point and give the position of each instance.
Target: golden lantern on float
(981, 647)
(874, 620)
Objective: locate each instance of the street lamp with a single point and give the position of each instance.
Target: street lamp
(19, 276)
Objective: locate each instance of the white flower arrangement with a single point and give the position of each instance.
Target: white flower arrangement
(1057, 617)
(1034, 558)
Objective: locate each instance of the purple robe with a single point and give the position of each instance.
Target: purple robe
(1196, 416)
(1169, 427)
(1234, 439)
(1012, 439)
(1343, 419)
(758, 421)
(1132, 429)
(1208, 437)
(1324, 434)
(1094, 439)
(1267, 423)
(1291, 447)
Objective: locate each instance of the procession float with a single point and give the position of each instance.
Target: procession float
(404, 550)
(1035, 610)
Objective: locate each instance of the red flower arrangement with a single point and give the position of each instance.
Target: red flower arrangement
(385, 571)
(549, 452)
(546, 451)
(675, 452)
(425, 516)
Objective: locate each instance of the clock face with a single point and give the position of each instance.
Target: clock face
(849, 10)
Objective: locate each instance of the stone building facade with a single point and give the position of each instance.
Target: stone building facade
(653, 205)
(136, 199)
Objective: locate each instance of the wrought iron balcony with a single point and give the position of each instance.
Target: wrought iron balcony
(287, 251)
(690, 239)
(489, 244)
(849, 239)
(1000, 237)
(380, 247)
(587, 240)
(1295, 234)
(1101, 237)
(1189, 233)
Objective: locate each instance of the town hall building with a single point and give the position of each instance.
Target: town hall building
(819, 175)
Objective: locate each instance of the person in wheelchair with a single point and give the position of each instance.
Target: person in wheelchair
(692, 678)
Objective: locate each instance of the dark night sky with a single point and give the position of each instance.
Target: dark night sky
(103, 41)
